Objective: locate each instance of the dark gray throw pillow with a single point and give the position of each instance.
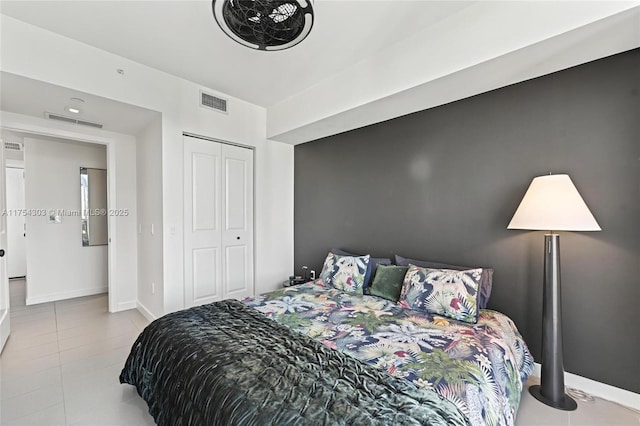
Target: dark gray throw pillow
(486, 280)
(387, 282)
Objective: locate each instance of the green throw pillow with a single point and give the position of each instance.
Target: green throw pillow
(388, 280)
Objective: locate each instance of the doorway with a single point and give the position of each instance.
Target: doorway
(58, 208)
(59, 264)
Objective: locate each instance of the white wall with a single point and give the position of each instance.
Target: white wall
(121, 162)
(123, 253)
(148, 179)
(273, 237)
(42, 55)
(58, 266)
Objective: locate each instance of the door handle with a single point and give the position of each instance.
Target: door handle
(1, 252)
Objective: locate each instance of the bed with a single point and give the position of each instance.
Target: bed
(316, 354)
(480, 367)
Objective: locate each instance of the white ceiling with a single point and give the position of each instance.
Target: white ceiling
(25, 96)
(183, 39)
(365, 61)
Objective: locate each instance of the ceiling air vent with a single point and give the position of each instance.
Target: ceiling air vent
(213, 102)
(90, 124)
(71, 120)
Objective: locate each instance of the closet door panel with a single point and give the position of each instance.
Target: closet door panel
(237, 233)
(237, 278)
(202, 221)
(205, 192)
(236, 192)
(205, 273)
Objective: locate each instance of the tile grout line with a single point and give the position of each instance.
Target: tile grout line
(64, 402)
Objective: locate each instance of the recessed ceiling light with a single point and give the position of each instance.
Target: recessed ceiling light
(74, 105)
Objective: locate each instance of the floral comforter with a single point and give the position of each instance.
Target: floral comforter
(479, 367)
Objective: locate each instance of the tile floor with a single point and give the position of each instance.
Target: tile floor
(62, 361)
(598, 412)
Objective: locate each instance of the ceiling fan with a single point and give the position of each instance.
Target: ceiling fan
(265, 24)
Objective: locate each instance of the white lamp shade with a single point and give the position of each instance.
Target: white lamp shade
(552, 203)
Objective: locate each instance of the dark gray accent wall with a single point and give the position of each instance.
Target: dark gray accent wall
(443, 184)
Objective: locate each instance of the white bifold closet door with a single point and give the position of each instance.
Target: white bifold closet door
(218, 221)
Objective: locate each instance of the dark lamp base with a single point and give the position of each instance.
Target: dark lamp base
(565, 403)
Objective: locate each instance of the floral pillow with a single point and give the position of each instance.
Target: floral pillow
(346, 273)
(442, 291)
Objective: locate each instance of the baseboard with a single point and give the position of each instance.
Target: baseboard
(125, 306)
(52, 297)
(599, 389)
(145, 312)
